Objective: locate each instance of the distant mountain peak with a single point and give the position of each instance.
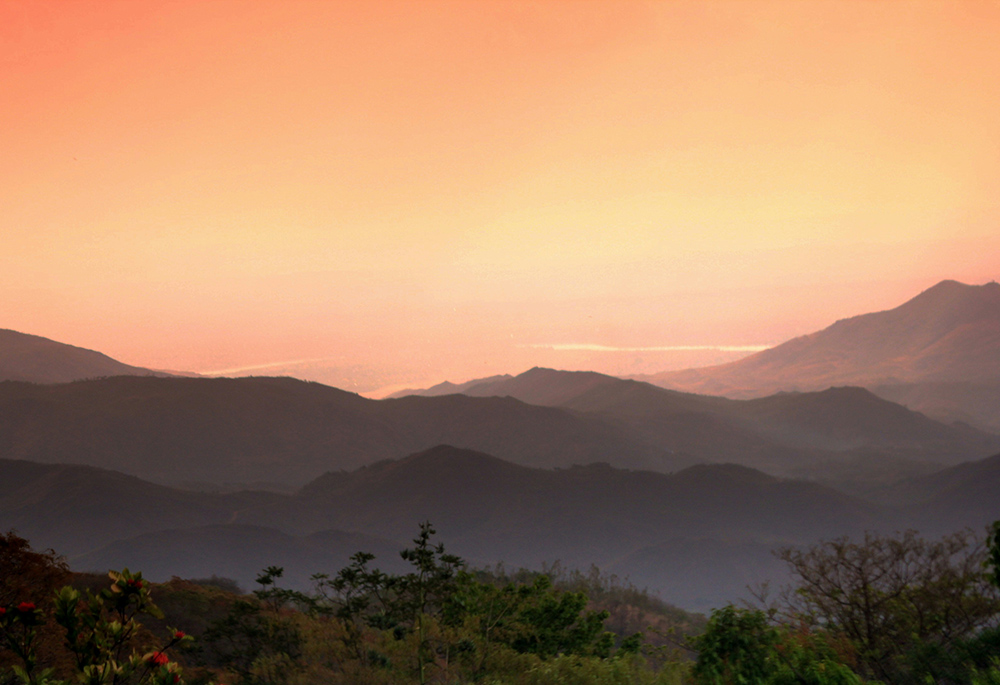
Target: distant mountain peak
(952, 293)
(948, 333)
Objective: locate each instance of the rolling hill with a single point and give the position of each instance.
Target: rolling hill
(789, 433)
(239, 552)
(286, 432)
(485, 509)
(699, 536)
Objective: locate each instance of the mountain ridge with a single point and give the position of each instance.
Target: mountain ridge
(779, 432)
(34, 359)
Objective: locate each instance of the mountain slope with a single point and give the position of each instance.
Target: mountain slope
(446, 388)
(960, 496)
(280, 433)
(35, 359)
(975, 404)
(948, 333)
(76, 508)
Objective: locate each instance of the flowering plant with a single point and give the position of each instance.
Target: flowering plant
(101, 631)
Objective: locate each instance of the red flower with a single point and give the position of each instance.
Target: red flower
(25, 607)
(158, 659)
(179, 634)
(2, 611)
(177, 678)
(132, 582)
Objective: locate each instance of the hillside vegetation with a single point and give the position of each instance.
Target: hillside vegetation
(894, 610)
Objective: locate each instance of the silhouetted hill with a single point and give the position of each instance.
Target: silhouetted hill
(445, 388)
(286, 432)
(706, 572)
(490, 510)
(541, 386)
(547, 387)
(699, 535)
(34, 359)
(223, 430)
(844, 419)
(948, 333)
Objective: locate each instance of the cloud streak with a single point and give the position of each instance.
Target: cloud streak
(270, 365)
(589, 347)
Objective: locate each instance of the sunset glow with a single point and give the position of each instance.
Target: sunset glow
(392, 193)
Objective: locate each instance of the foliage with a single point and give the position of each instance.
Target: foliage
(992, 562)
(576, 670)
(986, 676)
(256, 640)
(630, 609)
(741, 647)
(101, 633)
(450, 614)
(919, 611)
(27, 575)
(904, 603)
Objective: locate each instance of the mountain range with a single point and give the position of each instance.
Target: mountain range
(222, 432)
(681, 534)
(246, 431)
(685, 493)
(938, 354)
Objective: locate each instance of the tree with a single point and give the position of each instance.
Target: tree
(26, 574)
(254, 640)
(992, 562)
(360, 596)
(897, 599)
(737, 647)
(447, 611)
(742, 647)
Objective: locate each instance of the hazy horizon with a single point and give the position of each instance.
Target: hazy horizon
(396, 194)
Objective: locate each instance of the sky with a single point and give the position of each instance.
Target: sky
(382, 194)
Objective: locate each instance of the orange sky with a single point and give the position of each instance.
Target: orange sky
(403, 192)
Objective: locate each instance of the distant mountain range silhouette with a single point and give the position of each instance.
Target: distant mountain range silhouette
(244, 431)
(938, 354)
